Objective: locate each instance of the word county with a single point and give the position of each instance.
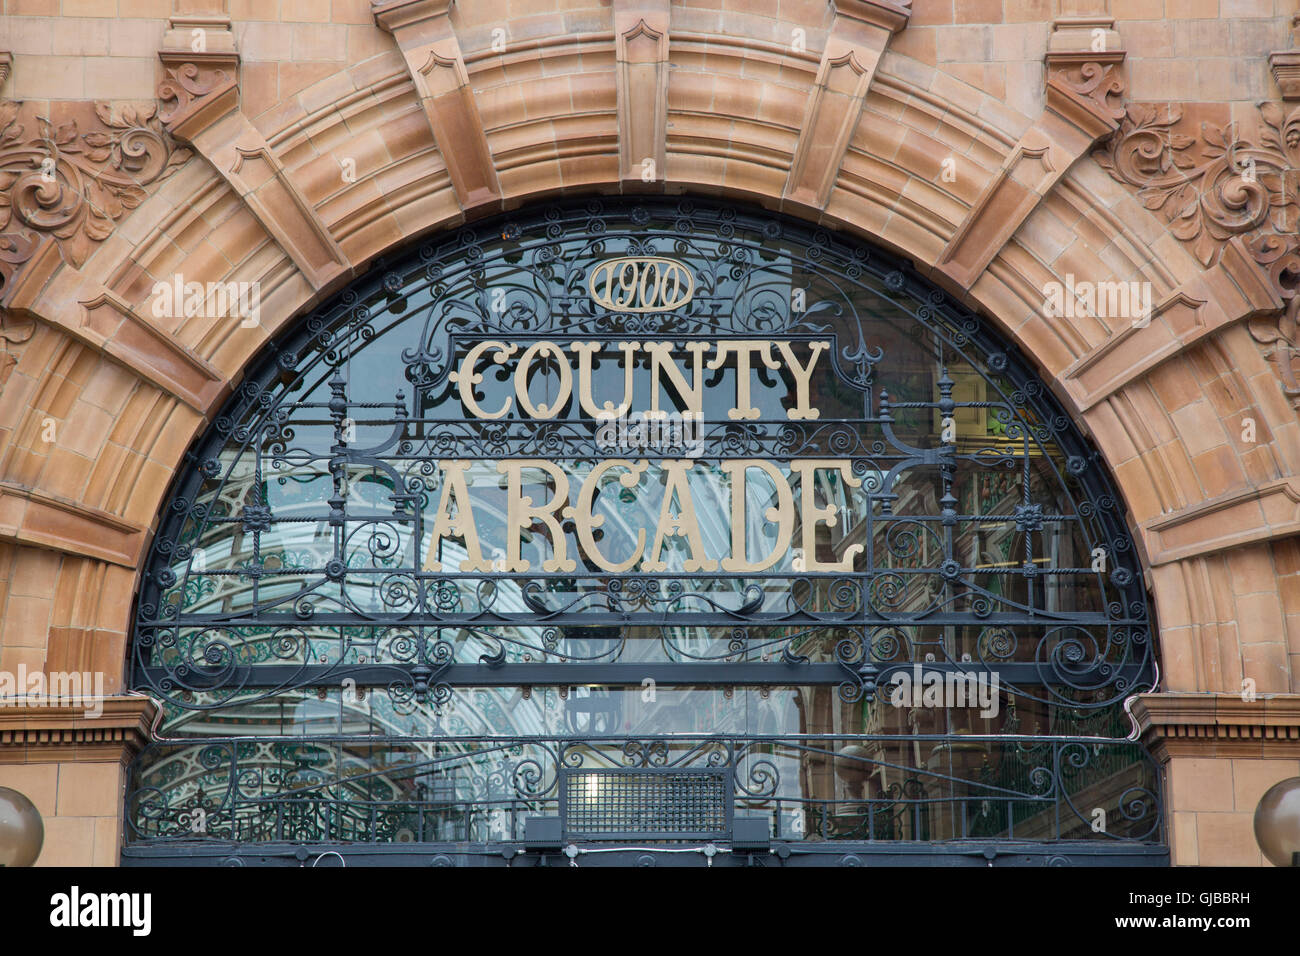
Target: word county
(747, 355)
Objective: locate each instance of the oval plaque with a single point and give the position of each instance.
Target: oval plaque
(641, 284)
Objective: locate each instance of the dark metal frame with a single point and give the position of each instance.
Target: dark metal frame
(250, 791)
(1088, 660)
(973, 853)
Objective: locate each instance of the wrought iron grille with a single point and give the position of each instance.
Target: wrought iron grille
(481, 790)
(321, 573)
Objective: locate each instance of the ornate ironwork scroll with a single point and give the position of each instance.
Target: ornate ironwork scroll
(470, 497)
(481, 790)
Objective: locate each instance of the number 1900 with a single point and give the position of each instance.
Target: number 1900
(641, 284)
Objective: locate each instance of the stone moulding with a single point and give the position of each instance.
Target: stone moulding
(194, 94)
(396, 14)
(641, 80)
(424, 34)
(1082, 107)
(438, 62)
(14, 331)
(1108, 368)
(1219, 725)
(1285, 65)
(1212, 188)
(1080, 39)
(1088, 95)
(32, 517)
(58, 294)
(200, 85)
(891, 15)
(859, 36)
(1271, 510)
(1085, 85)
(35, 732)
(1280, 333)
(217, 128)
(832, 115)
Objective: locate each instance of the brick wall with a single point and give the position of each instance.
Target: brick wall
(727, 105)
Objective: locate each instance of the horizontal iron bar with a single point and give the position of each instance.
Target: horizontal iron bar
(857, 578)
(601, 618)
(740, 673)
(966, 853)
(570, 740)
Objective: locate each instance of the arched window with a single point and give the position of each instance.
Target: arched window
(643, 522)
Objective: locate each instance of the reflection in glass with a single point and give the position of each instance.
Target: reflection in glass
(465, 525)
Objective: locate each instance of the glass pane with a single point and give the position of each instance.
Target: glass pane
(661, 480)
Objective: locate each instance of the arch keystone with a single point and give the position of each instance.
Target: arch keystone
(859, 36)
(641, 41)
(423, 32)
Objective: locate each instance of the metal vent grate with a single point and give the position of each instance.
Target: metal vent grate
(647, 804)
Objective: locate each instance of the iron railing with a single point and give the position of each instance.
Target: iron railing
(481, 790)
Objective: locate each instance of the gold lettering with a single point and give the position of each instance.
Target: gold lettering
(633, 284)
(521, 380)
(454, 516)
(585, 521)
(585, 351)
(467, 378)
(462, 525)
(661, 358)
(802, 377)
(683, 524)
(627, 273)
(520, 514)
(743, 349)
(810, 514)
(782, 515)
(650, 299)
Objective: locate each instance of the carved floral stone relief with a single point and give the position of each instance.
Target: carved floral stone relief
(73, 178)
(1212, 181)
(1219, 183)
